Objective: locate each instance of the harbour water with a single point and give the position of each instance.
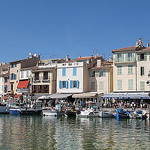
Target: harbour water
(47, 133)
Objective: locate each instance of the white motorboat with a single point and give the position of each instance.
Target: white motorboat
(105, 114)
(87, 113)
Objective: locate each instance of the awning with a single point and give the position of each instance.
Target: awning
(85, 95)
(23, 84)
(16, 96)
(59, 96)
(126, 96)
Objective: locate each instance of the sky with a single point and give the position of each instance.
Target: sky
(56, 28)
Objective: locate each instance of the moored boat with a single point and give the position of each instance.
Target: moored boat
(4, 109)
(104, 114)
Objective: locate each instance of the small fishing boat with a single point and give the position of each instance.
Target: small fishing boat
(36, 110)
(105, 114)
(15, 111)
(87, 113)
(121, 113)
(137, 115)
(4, 109)
(55, 112)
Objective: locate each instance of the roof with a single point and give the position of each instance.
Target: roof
(125, 49)
(83, 58)
(145, 49)
(23, 84)
(85, 95)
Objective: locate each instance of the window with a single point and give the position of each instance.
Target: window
(130, 69)
(6, 89)
(119, 70)
(63, 71)
(5, 79)
(63, 84)
(74, 84)
(28, 73)
(22, 74)
(101, 73)
(142, 85)
(15, 76)
(142, 71)
(36, 76)
(74, 71)
(129, 57)
(101, 85)
(119, 84)
(92, 85)
(45, 75)
(130, 84)
(15, 64)
(93, 74)
(141, 57)
(11, 87)
(119, 57)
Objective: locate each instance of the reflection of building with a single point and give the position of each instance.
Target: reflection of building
(44, 76)
(4, 79)
(19, 74)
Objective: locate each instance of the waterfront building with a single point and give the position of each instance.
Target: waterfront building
(19, 81)
(44, 76)
(101, 77)
(4, 80)
(131, 68)
(73, 77)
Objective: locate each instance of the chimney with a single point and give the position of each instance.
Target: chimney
(136, 43)
(99, 63)
(67, 58)
(79, 57)
(110, 59)
(147, 44)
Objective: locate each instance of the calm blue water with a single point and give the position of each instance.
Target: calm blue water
(44, 133)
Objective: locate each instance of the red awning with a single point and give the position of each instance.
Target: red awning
(23, 84)
(16, 96)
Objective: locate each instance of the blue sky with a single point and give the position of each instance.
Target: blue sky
(56, 28)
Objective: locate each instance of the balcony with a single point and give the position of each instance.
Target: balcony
(44, 79)
(27, 90)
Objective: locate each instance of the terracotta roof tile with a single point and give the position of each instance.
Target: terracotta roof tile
(124, 49)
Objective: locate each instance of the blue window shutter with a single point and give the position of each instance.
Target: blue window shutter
(77, 84)
(60, 83)
(66, 84)
(15, 76)
(63, 71)
(74, 71)
(71, 84)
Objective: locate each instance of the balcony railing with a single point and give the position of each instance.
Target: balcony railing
(41, 79)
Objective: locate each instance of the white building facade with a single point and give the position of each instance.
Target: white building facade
(72, 77)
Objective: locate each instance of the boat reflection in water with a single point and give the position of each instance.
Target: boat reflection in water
(37, 132)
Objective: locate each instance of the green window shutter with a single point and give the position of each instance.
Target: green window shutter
(145, 56)
(126, 57)
(116, 58)
(122, 57)
(119, 84)
(133, 55)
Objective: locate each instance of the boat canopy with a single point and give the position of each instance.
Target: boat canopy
(126, 96)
